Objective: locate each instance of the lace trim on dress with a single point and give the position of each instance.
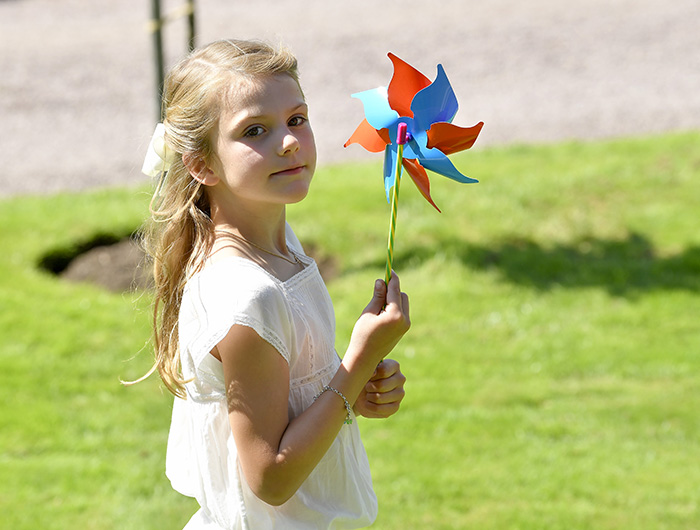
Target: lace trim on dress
(312, 378)
(264, 332)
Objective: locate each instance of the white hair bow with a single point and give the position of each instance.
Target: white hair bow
(158, 157)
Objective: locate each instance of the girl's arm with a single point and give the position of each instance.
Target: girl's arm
(277, 455)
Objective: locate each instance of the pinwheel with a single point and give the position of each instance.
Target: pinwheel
(424, 110)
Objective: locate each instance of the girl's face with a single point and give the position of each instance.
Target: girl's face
(264, 145)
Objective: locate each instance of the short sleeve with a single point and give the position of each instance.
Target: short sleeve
(231, 292)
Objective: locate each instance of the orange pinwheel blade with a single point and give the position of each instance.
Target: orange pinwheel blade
(405, 83)
(420, 179)
(370, 138)
(450, 138)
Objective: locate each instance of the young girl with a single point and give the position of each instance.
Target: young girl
(263, 432)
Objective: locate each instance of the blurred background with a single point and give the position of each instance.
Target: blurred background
(78, 105)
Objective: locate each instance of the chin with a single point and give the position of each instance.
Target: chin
(297, 196)
(298, 191)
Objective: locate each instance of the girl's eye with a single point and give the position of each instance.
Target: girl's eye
(297, 121)
(257, 130)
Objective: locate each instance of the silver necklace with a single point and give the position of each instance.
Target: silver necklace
(295, 261)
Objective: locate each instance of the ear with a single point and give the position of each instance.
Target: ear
(199, 170)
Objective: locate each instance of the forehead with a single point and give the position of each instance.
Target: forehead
(255, 94)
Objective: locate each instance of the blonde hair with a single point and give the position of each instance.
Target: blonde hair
(180, 232)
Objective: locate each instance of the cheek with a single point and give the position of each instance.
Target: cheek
(235, 161)
(310, 144)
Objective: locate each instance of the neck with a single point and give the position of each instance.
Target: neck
(266, 229)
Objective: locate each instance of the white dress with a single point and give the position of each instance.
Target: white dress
(297, 318)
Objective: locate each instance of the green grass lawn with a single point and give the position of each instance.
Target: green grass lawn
(553, 369)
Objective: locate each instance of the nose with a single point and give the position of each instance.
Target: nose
(289, 145)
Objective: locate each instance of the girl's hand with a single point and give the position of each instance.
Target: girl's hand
(382, 395)
(380, 327)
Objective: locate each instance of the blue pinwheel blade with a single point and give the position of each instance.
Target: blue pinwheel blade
(390, 157)
(377, 110)
(436, 102)
(437, 162)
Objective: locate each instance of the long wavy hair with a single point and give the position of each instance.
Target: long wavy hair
(180, 233)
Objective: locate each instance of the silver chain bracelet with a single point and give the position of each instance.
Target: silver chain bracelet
(348, 408)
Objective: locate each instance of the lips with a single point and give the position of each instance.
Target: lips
(290, 171)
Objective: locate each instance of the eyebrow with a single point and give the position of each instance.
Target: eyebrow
(254, 117)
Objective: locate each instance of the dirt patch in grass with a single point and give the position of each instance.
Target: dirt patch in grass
(118, 267)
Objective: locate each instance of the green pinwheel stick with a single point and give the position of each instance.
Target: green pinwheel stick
(401, 139)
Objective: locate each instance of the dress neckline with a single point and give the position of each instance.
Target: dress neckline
(308, 263)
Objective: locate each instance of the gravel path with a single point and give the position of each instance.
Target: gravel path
(77, 103)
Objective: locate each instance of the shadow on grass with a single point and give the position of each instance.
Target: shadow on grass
(57, 260)
(622, 267)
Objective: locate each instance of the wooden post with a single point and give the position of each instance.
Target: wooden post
(156, 27)
(190, 21)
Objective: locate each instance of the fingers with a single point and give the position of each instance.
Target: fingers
(382, 404)
(387, 383)
(372, 410)
(384, 398)
(383, 394)
(388, 295)
(385, 368)
(378, 300)
(393, 291)
(396, 300)
(404, 308)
